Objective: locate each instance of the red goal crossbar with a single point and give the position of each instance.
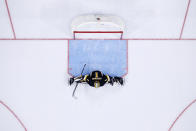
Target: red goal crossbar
(97, 32)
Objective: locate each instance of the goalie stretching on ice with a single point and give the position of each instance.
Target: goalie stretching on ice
(95, 79)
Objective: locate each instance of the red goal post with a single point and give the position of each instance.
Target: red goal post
(97, 34)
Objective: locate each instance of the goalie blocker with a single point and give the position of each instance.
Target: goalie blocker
(96, 79)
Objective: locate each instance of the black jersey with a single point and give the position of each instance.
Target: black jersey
(96, 79)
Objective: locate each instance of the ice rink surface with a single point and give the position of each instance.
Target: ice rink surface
(160, 87)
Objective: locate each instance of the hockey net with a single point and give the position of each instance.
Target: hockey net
(97, 27)
(97, 34)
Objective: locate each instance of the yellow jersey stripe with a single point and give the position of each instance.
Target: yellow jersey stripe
(108, 77)
(85, 77)
(96, 74)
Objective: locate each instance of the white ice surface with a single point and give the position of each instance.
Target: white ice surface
(7, 121)
(160, 84)
(187, 122)
(5, 27)
(52, 18)
(190, 26)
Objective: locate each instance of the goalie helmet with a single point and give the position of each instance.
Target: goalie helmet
(96, 77)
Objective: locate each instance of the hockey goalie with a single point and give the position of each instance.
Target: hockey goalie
(95, 79)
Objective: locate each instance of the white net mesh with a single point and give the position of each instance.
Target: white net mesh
(97, 26)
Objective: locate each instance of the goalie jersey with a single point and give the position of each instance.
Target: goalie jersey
(97, 79)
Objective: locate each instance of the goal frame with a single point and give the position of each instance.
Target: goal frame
(97, 32)
(97, 26)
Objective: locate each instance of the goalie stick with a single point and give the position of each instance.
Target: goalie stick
(73, 94)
